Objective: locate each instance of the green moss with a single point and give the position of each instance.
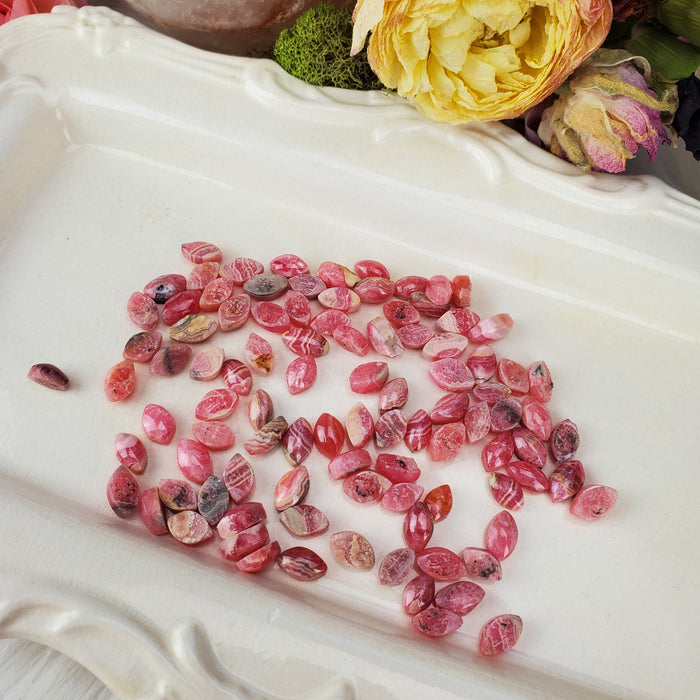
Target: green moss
(316, 49)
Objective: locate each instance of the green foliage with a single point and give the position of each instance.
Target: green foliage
(316, 49)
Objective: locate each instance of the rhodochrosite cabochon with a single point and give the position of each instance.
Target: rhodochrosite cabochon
(375, 451)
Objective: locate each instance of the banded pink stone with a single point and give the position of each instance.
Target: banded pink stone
(215, 294)
(123, 492)
(396, 566)
(499, 634)
(207, 364)
(507, 492)
(189, 527)
(352, 549)
(158, 424)
(417, 526)
(336, 275)
(216, 404)
(298, 308)
(501, 535)
(239, 478)
(482, 363)
(415, 335)
(444, 345)
(374, 290)
(457, 320)
(491, 328)
(451, 374)
(260, 559)
(170, 360)
(304, 520)
(302, 563)
(307, 284)
(305, 341)
(390, 428)
(266, 438)
(260, 409)
(326, 321)
(461, 290)
(351, 339)
(340, 298)
(201, 274)
(383, 338)
(529, 476)
(537, 418)
(288, 265)
(491, 391)
(427, 307)
(441, 563)
(418, 431)
(418, 594)
(240, 518)
(348, 462)
(369, 377)
(301, 374)
(270, 316)
(436, 622)
(593, 502)
(498, 452)
(461, 597)
(449, 408)
(365, 486)
(241, 269)
(130, 452)
(446, 441)
(161, 288)
(399, 497)
(566, 480)
(405, 286)
(298, 441)
(142, 311)
(397, 468)
(529, 447)
(233, 313)
(513, 375)
(400, 313)
(371, 268)
(292, 487)
(237, 377)
(194, 460)
(439, 289)
(259, 354)
(359, 425)
(201, 251)
(540, 379)
(245, 542)
(477, 421)
(152, 513)
(393, 394)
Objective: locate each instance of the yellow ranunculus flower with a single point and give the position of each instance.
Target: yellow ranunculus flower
(478, 60)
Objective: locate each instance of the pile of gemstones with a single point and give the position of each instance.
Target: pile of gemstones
(496, 402)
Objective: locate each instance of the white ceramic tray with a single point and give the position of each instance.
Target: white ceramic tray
(117, 145)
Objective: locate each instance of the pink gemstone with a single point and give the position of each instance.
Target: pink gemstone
(180, 305)
(415, 335)
(369, 377)
(513, 375)
(446, 441)
(266, 286)
(130, 452)
(418, 431)
(351, 340)
(214, 434)
(163, 287)
(461, 290)
(507, 492)
(396, 468)
(241, 518)
(482, 363)
(396, 566)
(477, 421)
(505, 415)
(216, 404)
(259, 559)
(259, 354)
(359, 425)
(482, 564)
(270, 316)
(308, 285)
(195, 328)
(540, 379)
(491, 391)
(329, 435)
(267, 438)
(537, 418)
(374, 290)
(158, 424)
(405, 286)
(449, 408)
(566, 480)
(451, 374)
(298, 308)
(189, 527)
(593, 502)
(170, 360)
(201, 251)
(243, 543)
(237, 377)
(288, 265)
(177, 495)
(492, 328)
(348, 462)
(439, 502)
(529, 447)
(305, 341)
(441, 564)
(201, 274)
(498, 452)
(301, 374)
(340, 298)
(302, 564)
(206, 364)
(194, 460)
(120, 381)
(241, 269)
(123, 492)
(213, 500)
(461, 597)
(383, 338)
(328, 320)
(393, 394)
(143, 311)
(215, 294)
(142, 346)
(444, 345)
(417, 526)
(260, 409)
(371, 268)
(365, 486)
(436, 622)
(499, 634)
(352, 549)
(427, 307)
(418, 594)
(398, 498)
(234, 312)
(239, 478)
(298, 441)
(564, 441)
(529, 476)
(291, 489)
(304, 520)
(501, 535)
(439, 289)
(390, 428)
(152, 513)
(336, 275)
(400, 313)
